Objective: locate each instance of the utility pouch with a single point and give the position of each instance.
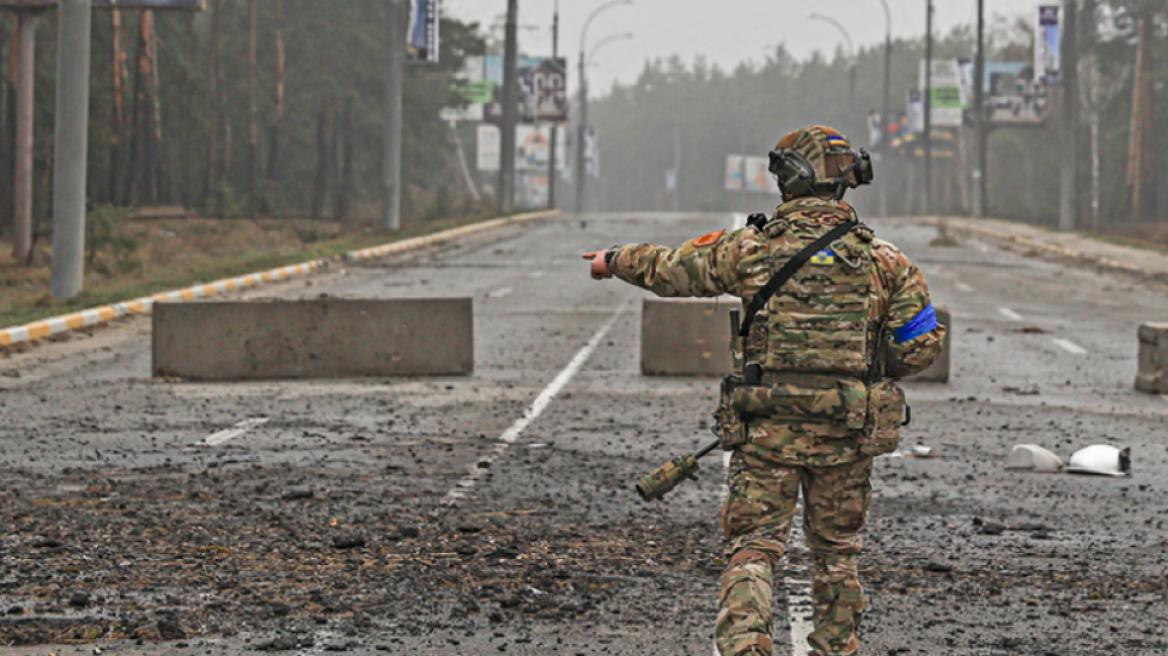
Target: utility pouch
(886, 415)
(845, 405)
(729, 425)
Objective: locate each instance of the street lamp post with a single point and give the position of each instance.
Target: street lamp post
(929, 107)
(851, 54)
(551, 195)
(885, 132)
(581, 176)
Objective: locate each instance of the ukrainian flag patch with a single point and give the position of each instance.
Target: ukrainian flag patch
(823, 258)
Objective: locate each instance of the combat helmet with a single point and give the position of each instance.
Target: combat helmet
(818, 161)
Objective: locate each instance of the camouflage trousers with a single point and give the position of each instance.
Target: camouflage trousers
(756, 520)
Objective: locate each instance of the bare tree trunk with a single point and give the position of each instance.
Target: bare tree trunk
(325, 158)
(211, 181)
(344, 145)
(253, 136)
(142, 160)
(278, 123)
(117, 120)
(162, 161)
(5, 136)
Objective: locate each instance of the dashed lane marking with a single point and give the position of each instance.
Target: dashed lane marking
(534, 411)
(500, 293)
(1009, 314)
(1069, 346)
(964, 287)
(235, 431)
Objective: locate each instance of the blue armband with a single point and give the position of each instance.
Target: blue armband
(924, 323)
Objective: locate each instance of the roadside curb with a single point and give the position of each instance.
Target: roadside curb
(76, 321)
(1055, 250)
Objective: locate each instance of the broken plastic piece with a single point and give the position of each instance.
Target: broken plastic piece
(1032, 457)
(1101, 460)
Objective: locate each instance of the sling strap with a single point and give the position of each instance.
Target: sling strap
(794, 264)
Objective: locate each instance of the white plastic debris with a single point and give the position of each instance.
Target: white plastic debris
(1101, 460)
(1031, 457)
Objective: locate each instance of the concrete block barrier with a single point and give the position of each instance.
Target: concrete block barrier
(939, 371)
(686, 337)
(314, 338)
(1152, 376)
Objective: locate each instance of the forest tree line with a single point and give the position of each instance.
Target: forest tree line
(253, 107)
(713, 113)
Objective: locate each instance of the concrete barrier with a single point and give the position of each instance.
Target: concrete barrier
(686, 337)
(1153, 373)
(939, 371)
(315, 338)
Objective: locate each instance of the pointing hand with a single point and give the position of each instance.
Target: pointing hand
(600, 269)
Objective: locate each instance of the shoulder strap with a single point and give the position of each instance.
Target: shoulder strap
(794, 264)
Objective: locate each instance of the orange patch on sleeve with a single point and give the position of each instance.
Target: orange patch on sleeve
(706, 240)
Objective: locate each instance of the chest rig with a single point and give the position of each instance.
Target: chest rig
(819, 321)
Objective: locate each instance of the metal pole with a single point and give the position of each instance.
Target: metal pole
(1068, 70)
(979, 171)
(551, 198)
(510, 109)
(391, 212)
(929, 108)
(581, 133)
(71, 147)
(26, 62)
(885, 133)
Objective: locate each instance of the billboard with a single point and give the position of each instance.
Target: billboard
(948, 106)
(532, 148)
(1014, 96)
(189, 5)
(472, 90)
(543, 88)
(750, 173)
(422, 37)
(1048, 45)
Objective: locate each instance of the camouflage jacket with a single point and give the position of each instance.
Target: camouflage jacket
(738, 262)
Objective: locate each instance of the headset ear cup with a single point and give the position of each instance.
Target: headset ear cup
(798, 174)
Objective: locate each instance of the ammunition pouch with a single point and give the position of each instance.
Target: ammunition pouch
(887, 410)
(844, 403)
(729, 424)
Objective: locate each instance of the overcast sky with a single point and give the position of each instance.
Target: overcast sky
(725, 31)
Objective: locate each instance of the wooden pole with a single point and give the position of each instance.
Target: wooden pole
(253, 136)
(25, 79)
(278, 124)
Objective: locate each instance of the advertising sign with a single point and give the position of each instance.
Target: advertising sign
(946, 96)
(750, 173)
(1013, 94)
(532, 147)
(1047, 49)
(189, 5)
(422, 38)
(543, 88)
(472, 91)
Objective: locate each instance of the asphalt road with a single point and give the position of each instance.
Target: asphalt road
(493, 513)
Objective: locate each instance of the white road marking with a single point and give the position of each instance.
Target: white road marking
(1009, 314)
(235, 431)
(537, 274)
(1069, 346)
(964, 287)
(534, 411)
(500, 293)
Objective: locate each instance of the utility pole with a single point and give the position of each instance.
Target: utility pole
(581, 136)
(25, 78)
(391, 212)
(885, 133)
(929, 107)
(510, 109)
(1069, 72)
(979, 171)
(71, 144)
(551, 198)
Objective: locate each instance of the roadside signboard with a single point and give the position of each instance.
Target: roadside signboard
(947, 100)
(1048, 45)
(749, 173)
(422, 38)
(1015, 97)
(473, 92)
(532, 147)
(189, 5)
(543, 88)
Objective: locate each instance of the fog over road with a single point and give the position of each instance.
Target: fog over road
(385, 516)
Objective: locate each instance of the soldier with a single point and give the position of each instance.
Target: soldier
(812, 412)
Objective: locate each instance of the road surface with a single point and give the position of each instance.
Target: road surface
(494, 513)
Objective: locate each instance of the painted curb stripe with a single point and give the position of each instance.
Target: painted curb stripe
(93, 316)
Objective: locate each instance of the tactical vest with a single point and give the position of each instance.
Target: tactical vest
(818, 323)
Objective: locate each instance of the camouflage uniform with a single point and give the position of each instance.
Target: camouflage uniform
(829, 460)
